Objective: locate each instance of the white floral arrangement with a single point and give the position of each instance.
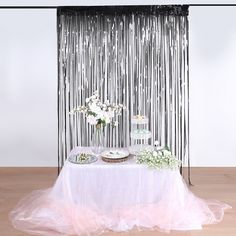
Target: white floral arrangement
(98, 113)
(162, 159)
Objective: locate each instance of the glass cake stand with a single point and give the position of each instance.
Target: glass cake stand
(140, 135)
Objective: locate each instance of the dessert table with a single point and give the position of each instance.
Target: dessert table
(90, 199)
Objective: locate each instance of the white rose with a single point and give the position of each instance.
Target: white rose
(94, 108)
(87, 100)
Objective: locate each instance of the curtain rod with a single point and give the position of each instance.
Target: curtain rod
(55, 7)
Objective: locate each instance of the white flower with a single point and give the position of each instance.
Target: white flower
(154, 153)
(92, 120)
(157, 160)
(107, 119)
(97, 111)
(156, 143)
(115, 123)
(101, 115)
(94, 96)
(166, 153)
(111, 114)
(94, 108)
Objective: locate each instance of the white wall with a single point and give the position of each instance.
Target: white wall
(213, 86)
(28, 88)
(28, 84)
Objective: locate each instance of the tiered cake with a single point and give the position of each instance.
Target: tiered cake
(140, 134)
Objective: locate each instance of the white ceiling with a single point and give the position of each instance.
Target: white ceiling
(107, 2)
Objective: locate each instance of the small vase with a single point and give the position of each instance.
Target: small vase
(98, 141)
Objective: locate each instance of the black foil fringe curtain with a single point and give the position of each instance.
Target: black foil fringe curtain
(133, 55)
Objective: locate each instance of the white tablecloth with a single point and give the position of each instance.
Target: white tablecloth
(94, 198)
(108, 186)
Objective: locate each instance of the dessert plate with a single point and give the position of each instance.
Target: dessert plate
(115, 154)
(82, 159)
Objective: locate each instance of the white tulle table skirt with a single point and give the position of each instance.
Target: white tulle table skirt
(92, 199)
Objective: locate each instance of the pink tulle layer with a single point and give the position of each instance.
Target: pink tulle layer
(92, 199)
(41, 213)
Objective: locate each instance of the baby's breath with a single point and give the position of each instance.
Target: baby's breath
(162, 159)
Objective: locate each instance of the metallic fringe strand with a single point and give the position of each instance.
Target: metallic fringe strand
(137, 57)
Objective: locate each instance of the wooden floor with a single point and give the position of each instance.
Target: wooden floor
(217, 183)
